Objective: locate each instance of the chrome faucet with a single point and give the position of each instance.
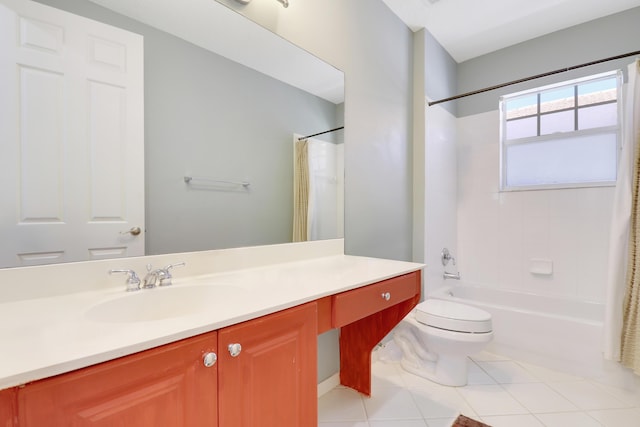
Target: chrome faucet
(133, 281)
(445, 257)
(165, 275)
(153, 278)
(159, 276)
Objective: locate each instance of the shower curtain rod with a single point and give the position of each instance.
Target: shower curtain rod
(537, 76)
(320, 133)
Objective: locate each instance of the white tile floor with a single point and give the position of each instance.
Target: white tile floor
(501, 393)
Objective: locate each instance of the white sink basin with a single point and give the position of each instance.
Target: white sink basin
(162, 303)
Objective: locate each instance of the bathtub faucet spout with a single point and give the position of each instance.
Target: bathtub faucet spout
(455, 276)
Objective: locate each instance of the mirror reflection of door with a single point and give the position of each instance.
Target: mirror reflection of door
(71, 131)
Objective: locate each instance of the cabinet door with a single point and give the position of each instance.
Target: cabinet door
(166, 386)
(8, 407)
(273, 379)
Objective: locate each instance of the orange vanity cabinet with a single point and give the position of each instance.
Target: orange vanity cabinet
(165, 386)
(365, 316)
(265, 372)
(268, 370)
(8, 411)
(265, 375)
(357, 304)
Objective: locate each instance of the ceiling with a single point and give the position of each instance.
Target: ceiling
(470, 28)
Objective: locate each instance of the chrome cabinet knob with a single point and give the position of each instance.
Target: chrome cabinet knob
(209, 359)
(386, 296)
(235, 349)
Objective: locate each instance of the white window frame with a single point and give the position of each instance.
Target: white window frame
(559, 135)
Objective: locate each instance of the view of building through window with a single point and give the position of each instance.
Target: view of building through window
(562, 135)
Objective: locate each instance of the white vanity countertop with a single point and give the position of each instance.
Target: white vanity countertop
(42, 337)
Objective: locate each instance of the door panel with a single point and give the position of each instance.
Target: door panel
(41, 146)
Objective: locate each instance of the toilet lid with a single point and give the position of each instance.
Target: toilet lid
(453, 316)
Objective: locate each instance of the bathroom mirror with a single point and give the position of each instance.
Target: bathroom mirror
(223, 100)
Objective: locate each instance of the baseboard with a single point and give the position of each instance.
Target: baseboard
(329, 384)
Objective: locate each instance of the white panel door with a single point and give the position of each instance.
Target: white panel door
(71, 137)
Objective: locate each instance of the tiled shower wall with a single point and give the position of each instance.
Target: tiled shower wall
(440, 190)
(500, 235)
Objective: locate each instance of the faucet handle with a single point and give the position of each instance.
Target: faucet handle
(133, 281)
(165, 275)
(445, 257)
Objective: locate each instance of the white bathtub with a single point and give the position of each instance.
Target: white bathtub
(554, 332)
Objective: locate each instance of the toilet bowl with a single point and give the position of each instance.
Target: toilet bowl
(437, 336)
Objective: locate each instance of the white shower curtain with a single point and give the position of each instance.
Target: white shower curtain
(621, 219)
(318, 189)
(324, 184)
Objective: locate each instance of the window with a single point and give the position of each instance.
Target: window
(564, 135)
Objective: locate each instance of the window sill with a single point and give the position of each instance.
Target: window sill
(568, 186)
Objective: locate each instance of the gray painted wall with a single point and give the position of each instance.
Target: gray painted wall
(373, 47)
(208, 116)
(605, 37)
(440, 73)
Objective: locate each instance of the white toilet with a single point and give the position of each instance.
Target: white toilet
(438, 335)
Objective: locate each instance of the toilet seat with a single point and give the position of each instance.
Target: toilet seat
(453, 316)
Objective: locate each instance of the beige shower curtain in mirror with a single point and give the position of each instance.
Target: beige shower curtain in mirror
(630, 345)
(300, 190)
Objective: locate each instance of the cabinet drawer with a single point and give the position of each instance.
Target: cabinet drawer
(354, 305)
